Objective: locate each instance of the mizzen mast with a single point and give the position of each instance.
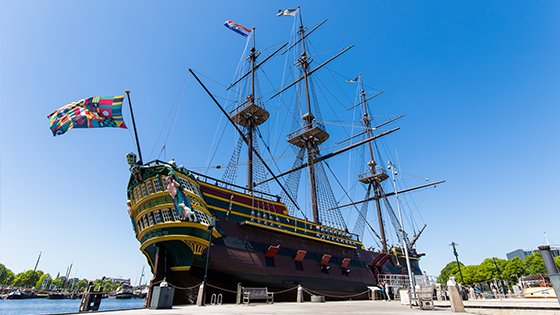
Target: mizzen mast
(374, 176)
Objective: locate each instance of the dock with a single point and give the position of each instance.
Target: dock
(498, 307)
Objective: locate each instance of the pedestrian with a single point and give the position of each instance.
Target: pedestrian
(385, 291)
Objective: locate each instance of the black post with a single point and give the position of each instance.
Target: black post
(551, 269)
(211, 229)
(134, 126)
(457, 258)
(499, 275)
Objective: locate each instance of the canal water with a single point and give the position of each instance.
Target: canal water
(46, 306)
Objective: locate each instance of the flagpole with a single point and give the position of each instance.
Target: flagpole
(134, 126)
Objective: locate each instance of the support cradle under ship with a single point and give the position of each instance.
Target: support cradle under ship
(257, 239)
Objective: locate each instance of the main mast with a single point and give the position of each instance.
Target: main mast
(312, 134)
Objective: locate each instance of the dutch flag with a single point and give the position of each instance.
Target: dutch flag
(239, 29)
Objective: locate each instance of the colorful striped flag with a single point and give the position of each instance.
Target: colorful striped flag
(93, 112)
(352, 81)
(239, 29)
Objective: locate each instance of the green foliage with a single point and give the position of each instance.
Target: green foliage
(7, 275)
(510, 270)
(514, 269)
(22, 279)
(534, 264)
(81, 285)
(447, 271)
(107, 285)
(46, 278)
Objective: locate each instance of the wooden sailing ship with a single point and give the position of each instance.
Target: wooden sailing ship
(258, 239)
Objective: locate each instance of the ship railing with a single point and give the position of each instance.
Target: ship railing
(368, 173)
(221, 183)
(303, 129)
(244, 190)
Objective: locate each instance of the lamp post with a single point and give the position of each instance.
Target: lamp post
(393, 169)
(457, 258)
(210, 229)
(499, 275)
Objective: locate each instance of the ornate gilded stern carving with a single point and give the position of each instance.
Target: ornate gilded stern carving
(196, 247)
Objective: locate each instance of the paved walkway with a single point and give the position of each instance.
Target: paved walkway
(327, 308)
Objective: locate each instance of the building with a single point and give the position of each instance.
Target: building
(522, 253)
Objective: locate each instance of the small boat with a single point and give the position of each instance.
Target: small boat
(20, 295)
(58, 296)
(122, 293)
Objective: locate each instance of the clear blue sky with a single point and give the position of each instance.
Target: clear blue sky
(478, 81)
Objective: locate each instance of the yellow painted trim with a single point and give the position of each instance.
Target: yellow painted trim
(181, 268)
(167, 238)
(163, 194)
(239, 194)
(300, 235)
(195, 225)
(292, 226)
(150, 262)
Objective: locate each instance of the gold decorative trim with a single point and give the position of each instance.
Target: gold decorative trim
(297, 234)
(196, 247)
(181, 268)
(167, 238)
(195, 225)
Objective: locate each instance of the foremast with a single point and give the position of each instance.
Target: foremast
(250, 115)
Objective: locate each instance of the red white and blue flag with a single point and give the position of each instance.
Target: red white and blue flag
(239, 29)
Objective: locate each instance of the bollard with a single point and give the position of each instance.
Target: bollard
(299, 294)
(199, 297)
(238, 300)
(455, 296)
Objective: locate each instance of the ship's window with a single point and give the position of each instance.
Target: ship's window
(270, 261)
(194, 188)
(140, 226)
(157, 185)
(201, 217)
(144, 191)
(185, 184)
(149, 186)
(137, 193)
(145, 222)
(157, 217)
(299, 265)
(175, 215)
(166, 215)
(150, 219)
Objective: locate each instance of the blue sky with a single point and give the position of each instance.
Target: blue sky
(477, 80)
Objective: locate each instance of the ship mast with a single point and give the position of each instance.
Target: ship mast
(310, 142)
(374, 179)
(250, 115)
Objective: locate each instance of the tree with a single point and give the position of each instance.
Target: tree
(534, 264)
(46, 278)
(107, 285)
(447, 271)
(468, 272)
(81, 285)
(514, 269)
(7, 275)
